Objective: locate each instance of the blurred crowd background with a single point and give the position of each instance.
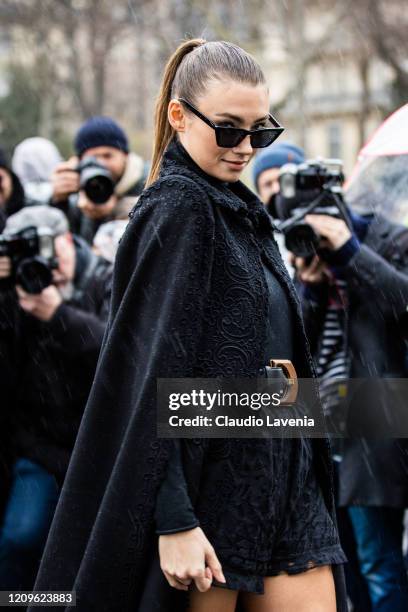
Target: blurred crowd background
(336, 68)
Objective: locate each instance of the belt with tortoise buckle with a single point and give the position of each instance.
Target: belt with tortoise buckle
(275, 370)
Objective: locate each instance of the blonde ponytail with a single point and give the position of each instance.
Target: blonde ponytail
(163, 132)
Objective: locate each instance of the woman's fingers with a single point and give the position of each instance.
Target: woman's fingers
(175, 583)
(202, 579)
(183, 580)
(214, 564)
(188, 556)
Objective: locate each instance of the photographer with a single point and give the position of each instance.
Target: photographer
(49, 350)
(265, 172)
(34, 160)
(354, 291)
(102, 144)
(265, 175)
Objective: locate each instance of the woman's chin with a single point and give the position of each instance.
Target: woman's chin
(227, 176)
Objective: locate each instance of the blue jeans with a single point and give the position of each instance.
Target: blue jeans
(27, 518)
(378, 532)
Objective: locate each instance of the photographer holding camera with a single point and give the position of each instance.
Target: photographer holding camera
(54, 310)
(265, 175)
(105, 175)
(266, 168)
(352, 273)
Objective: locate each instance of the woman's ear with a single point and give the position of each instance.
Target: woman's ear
(176, 115)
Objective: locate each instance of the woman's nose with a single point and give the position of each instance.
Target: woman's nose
(244, 147)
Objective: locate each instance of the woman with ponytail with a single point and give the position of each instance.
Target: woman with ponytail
(200, 291)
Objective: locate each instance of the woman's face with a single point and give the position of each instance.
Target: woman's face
(228, 103)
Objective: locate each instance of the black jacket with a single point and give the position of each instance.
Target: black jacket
(374, 472)
(191, 252)
(48, 367)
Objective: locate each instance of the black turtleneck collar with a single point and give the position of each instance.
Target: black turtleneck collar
(177, 152)
(235, 196)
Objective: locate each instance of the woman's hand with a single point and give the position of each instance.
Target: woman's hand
(183, 558)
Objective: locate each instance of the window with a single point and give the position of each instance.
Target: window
(334, 140)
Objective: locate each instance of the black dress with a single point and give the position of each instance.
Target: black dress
(275, 499)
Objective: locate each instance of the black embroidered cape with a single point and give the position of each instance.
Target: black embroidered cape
(189, 299)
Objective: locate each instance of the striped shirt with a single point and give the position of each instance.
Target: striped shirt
(333, 360)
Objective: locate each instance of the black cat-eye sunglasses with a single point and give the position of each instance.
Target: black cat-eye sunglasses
(228, 137)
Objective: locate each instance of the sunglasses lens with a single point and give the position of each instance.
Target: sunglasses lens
(231, 137)
(228, 138)
(264, 138)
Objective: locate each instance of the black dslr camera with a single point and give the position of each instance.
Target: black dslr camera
(95, 180)
(314, 186)
(32, 257)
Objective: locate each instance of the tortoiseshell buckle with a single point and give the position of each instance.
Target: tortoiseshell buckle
(293, 385)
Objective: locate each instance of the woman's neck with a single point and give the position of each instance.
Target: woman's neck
(181, 149)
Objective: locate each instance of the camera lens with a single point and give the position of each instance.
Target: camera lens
(302, 240)
(95, 180)
(34, 274)
(99, 189)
